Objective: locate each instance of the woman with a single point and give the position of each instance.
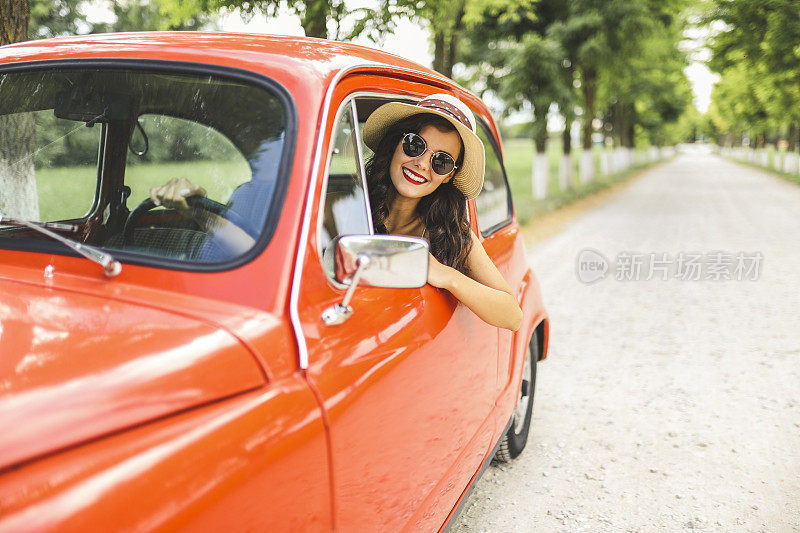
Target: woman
(427, 162)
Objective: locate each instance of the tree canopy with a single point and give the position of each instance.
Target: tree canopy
(756, 52)
(614, 61)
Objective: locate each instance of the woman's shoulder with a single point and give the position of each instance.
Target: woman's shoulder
(477, 253)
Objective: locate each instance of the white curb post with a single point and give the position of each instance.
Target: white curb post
(604, 166)
(586, 166)
(797, 158)
(789, 162)
(565, 172)
(541, 175)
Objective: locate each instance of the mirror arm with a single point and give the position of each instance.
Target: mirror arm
(339, 313)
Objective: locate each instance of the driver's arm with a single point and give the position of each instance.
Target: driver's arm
(173, 195)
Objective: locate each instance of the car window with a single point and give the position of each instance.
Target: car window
(87, 145)
(344, 209)
(183, 148)
(61, 159)
(494, 201)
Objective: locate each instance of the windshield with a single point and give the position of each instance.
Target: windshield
(81, 149)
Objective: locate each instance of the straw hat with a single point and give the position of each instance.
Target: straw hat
(469, 176)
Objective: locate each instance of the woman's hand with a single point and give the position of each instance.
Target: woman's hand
(439, 275)
(174, 193)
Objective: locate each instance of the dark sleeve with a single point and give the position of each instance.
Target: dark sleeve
(251, 202)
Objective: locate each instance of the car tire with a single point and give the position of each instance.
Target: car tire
(513, 442)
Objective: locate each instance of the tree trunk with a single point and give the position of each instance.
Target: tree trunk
(439, 51)
(315, 18)
(624, 116)
(15, 17)
(18, 196)
(630, 122)
(540, 127)
(792, 137)
(444, 52)
(589, 87)
(620, 123)
(452, 43)
(445, 41)
(541, 164)
(566, 137)
(454, 39)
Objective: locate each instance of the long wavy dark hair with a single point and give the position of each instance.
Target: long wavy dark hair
(444, 211)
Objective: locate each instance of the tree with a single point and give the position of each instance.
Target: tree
(314, 14)
(145, 15)
(621, 54)
(757, 48)
(15, 16)
(54, 18)
(517, 57)
(735, 106)
(18, 196)
(645, 92)
(603, 37)
(449, 22)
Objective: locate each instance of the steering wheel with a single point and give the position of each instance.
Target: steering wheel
(200, 202)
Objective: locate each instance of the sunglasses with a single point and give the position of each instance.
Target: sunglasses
(441, 162)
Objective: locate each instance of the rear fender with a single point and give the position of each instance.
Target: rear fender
(530, 299)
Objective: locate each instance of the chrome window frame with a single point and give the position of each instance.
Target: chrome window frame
(350, 101)
(509, 199)
(360, 158)
(347, 103)
(302, 245)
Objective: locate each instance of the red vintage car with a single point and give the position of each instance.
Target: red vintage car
(153, 378)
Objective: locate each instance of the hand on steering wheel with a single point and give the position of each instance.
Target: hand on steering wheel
(174, 193)
(184, 197)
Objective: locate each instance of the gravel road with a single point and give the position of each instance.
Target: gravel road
(665, 405)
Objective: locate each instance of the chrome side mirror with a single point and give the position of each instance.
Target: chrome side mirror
(388, 261)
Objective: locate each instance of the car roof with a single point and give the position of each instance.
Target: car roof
(305, 66)
(314, 60)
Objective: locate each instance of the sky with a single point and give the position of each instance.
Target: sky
(411, 41)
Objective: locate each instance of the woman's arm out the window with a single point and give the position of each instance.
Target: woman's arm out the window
(485, 291)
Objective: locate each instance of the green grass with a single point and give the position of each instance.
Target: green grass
(65, 192)
(68, 192)
(518, 159)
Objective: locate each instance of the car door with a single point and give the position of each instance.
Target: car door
(500, 237)
(408, 383)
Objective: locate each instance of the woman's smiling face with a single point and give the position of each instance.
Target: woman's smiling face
(413, 177)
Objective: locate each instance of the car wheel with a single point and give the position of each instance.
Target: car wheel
(514, 440)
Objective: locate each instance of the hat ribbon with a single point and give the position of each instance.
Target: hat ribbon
(446, 108)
